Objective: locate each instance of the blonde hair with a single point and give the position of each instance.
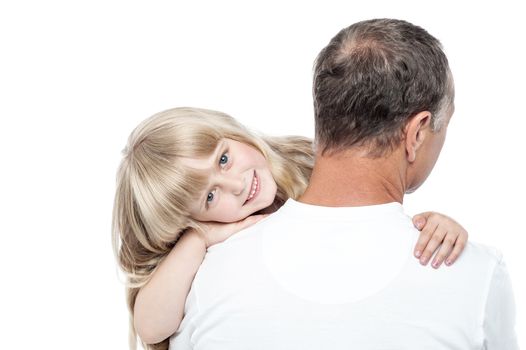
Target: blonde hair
(154, 188)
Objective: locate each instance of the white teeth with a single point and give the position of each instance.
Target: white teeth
(254, 187)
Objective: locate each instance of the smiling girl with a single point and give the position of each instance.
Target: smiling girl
(195, 177)
(237, 189)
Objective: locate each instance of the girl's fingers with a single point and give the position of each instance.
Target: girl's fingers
(419, 220)
(432, 245)
(460, 244)
(424, 238)
(249, 221)
(439, 234)
(445, 249)
(215, 232)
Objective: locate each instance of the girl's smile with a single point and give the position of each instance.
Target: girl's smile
(254, 190)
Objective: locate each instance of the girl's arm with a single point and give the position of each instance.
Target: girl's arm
(440, 234)
(159, 307)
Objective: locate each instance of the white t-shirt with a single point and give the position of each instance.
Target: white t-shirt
(310, 277)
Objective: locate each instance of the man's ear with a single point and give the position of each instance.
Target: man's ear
(416, 130)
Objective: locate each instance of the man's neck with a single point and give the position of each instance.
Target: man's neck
(349, 179)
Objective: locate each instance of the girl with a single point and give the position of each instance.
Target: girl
(162, 199)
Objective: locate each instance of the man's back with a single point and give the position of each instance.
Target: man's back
(312, 277)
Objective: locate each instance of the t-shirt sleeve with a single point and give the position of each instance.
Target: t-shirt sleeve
(499, 318)
(182, 339)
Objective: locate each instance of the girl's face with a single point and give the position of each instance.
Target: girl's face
(239, 183)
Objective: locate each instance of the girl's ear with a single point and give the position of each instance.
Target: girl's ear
(416, 131)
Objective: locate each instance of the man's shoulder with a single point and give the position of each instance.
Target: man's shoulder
(479, 252)
(476, 265)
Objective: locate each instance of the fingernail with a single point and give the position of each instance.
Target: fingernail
(418, 253)
(423, 261)
(435, 264)
(448, 262)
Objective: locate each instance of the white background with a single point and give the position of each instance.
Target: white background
(76, 77)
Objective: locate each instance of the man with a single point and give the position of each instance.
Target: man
(334, 270)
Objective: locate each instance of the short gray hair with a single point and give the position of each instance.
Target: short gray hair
(371, 78)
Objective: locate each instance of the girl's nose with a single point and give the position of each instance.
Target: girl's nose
(235, 184)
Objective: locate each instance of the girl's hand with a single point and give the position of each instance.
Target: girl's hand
(441, 234)
(217, 232)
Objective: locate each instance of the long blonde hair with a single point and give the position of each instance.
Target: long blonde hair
(154, 188)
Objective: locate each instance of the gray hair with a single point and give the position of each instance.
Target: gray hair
(371, 78)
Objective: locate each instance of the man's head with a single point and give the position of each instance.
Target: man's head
(377, 84)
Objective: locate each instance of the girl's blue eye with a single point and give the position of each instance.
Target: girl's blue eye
(210, 197)
(224, 159)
